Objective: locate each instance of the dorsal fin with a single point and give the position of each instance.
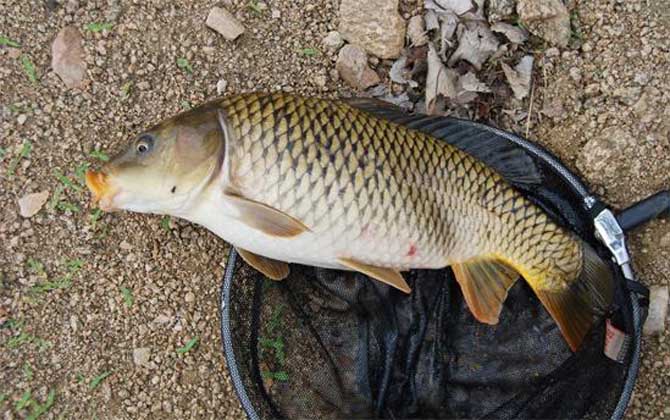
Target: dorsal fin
(513, 163)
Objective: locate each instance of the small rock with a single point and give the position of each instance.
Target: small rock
(476, 44)
(30, 204)
(627, 95)
(275, 14)
(142, 356)
(125, 246)
(333, 41)
(552, 52)
(603, 156)
(71, 6)
(515, 34)
(352, 66)
(658, 310)
(224, 23)
(375, 25)
(553, 108)
(501, 10)
(646, 108)
(190, 297)
(67, 57)
(548, 19)
(642, 78)
(221, 86)
(21, 119)
(416, 31)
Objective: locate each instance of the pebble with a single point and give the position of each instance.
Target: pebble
(67, 57)
(142, 356)
(21, 119)
(333, 41)
(30, 204)
(352, 66)
(627, 95)
(190, 297)
(223, 22)
(374, 25)
(221, 86)
(658, 310)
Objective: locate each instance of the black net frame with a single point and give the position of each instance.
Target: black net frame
(500, 383)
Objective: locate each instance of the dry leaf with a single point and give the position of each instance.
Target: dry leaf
(449, 23)
(476, 43)
(519, 76)
(515, 34)
(454, 6)
(440, 81)
(468, 88)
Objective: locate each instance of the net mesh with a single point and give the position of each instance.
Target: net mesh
(333, 344)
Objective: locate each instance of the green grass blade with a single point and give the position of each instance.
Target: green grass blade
(191, 343)
(29, 68)
(96, 381)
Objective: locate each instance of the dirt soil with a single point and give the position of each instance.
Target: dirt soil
(101, 309)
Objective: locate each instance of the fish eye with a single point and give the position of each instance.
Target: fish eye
(144, 144)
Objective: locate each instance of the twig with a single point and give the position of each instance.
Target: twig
(530, 108)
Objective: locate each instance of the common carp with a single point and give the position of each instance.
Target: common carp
(354, 185)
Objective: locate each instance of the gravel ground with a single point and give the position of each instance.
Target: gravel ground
(127, 283)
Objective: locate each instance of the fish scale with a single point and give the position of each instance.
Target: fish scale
(340, 171)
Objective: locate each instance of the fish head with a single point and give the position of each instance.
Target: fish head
(163, 169)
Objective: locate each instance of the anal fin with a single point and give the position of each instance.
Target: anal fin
(386, 275)
(273, 269)
(485, 283)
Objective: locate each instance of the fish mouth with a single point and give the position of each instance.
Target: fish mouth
(103, 193)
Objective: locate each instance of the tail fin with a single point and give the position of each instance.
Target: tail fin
(574, 307)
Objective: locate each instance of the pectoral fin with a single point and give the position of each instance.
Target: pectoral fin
(265, 218)
(485, 283)
(273, 269)
(385, 275)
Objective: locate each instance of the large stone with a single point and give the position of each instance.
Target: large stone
(67, 57)
(375, 25)
(548, 19)
(352, 65)
(658, 310)
(223, 22)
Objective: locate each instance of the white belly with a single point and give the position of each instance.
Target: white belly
(215, 214)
